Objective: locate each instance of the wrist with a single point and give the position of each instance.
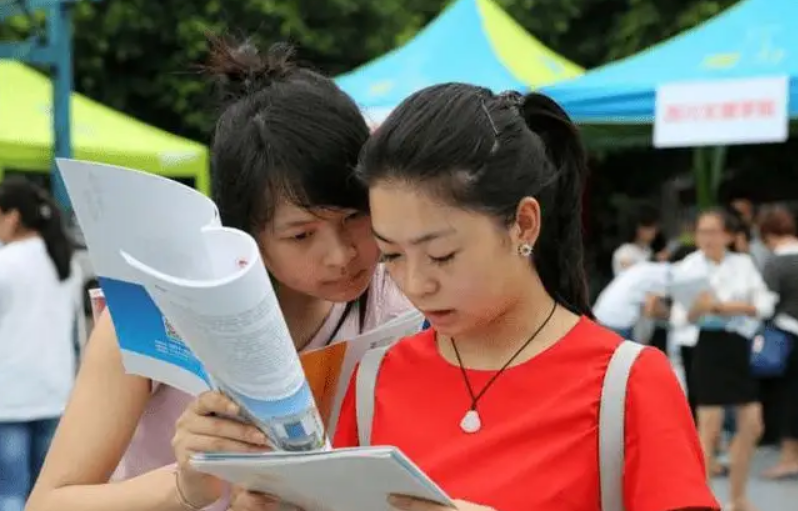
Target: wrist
(185, 500)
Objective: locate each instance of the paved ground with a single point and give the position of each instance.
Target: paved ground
(766, 495)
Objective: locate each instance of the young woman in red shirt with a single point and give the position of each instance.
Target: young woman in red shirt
(475, 202)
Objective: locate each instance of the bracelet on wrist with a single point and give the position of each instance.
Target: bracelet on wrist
(181, 498)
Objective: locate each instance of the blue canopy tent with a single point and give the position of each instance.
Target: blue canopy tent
(471, 41)
(616, 102)
(753, 38)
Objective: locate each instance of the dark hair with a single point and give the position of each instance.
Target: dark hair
(776, 220)
(681, 252)
(38, 212)
(643, 215)
(486, 152)
(285, 131)
(729, 219)
(647, 216)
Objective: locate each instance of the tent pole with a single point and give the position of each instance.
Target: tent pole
(700, 177)
(59, 25)
(708, 167)
(718, 165)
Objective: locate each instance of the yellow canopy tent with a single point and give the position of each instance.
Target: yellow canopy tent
(98, 133)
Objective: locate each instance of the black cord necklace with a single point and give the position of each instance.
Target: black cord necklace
(471, 422)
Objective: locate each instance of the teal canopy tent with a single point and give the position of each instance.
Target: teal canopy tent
(472, 41)
(753, 38)
(616, 102)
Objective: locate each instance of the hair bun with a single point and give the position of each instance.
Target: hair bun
(242, 69)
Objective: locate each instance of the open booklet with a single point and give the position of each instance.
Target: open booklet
(160, 251)
(338, 480)
(686, 282)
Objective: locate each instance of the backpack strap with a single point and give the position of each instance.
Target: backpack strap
(612, 415)
(365, 392)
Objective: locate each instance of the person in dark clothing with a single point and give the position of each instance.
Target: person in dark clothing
(778, 231)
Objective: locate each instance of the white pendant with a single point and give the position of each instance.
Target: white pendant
(471, 422)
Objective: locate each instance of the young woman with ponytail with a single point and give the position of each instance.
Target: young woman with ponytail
(475, 204)
(39, 297)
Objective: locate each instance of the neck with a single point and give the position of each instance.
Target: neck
(23, 235)
(304, 314)
(716, 258)
(785, 241)
(489, 346)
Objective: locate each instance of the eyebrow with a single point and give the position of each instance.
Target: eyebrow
(296, 223)
(419, 240)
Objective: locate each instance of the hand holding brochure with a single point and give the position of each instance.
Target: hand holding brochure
(687, 284)
(160, 252)
(337, 480)
(232, 322)
(212, 285)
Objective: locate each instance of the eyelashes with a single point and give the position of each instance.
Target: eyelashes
(440, 261)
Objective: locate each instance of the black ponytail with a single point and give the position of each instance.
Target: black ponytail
(559, 256)
(39, 213)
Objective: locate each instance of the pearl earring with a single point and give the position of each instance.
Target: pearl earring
(525, 250)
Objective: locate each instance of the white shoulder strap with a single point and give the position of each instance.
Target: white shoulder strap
(365, 392)
(612, 415)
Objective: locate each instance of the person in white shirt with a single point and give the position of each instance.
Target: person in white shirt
(38, 302)
(638, 247)
(619, 306)
(728, 315)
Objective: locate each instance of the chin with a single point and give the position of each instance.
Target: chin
(346, 293)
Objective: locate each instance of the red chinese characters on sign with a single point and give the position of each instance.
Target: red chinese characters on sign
(721, 111)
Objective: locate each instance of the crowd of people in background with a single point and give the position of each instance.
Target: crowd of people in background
(750, 258)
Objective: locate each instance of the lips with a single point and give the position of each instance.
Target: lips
(347, 280)
(439, 316)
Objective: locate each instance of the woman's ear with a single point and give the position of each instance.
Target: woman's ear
(527, 222)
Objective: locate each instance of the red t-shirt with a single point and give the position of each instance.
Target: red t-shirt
(538, 446)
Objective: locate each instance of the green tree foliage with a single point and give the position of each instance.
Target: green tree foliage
(140, 56)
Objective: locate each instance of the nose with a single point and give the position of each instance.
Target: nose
(414, 282)
(340, 250)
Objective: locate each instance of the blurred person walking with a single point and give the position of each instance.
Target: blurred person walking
(778, 231)
(39, 294)
(728, 315)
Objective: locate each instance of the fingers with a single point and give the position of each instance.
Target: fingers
(197, 431)
(215, 403)
(201, 443)
(248, 501)
(406, 503)
(227, 429)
